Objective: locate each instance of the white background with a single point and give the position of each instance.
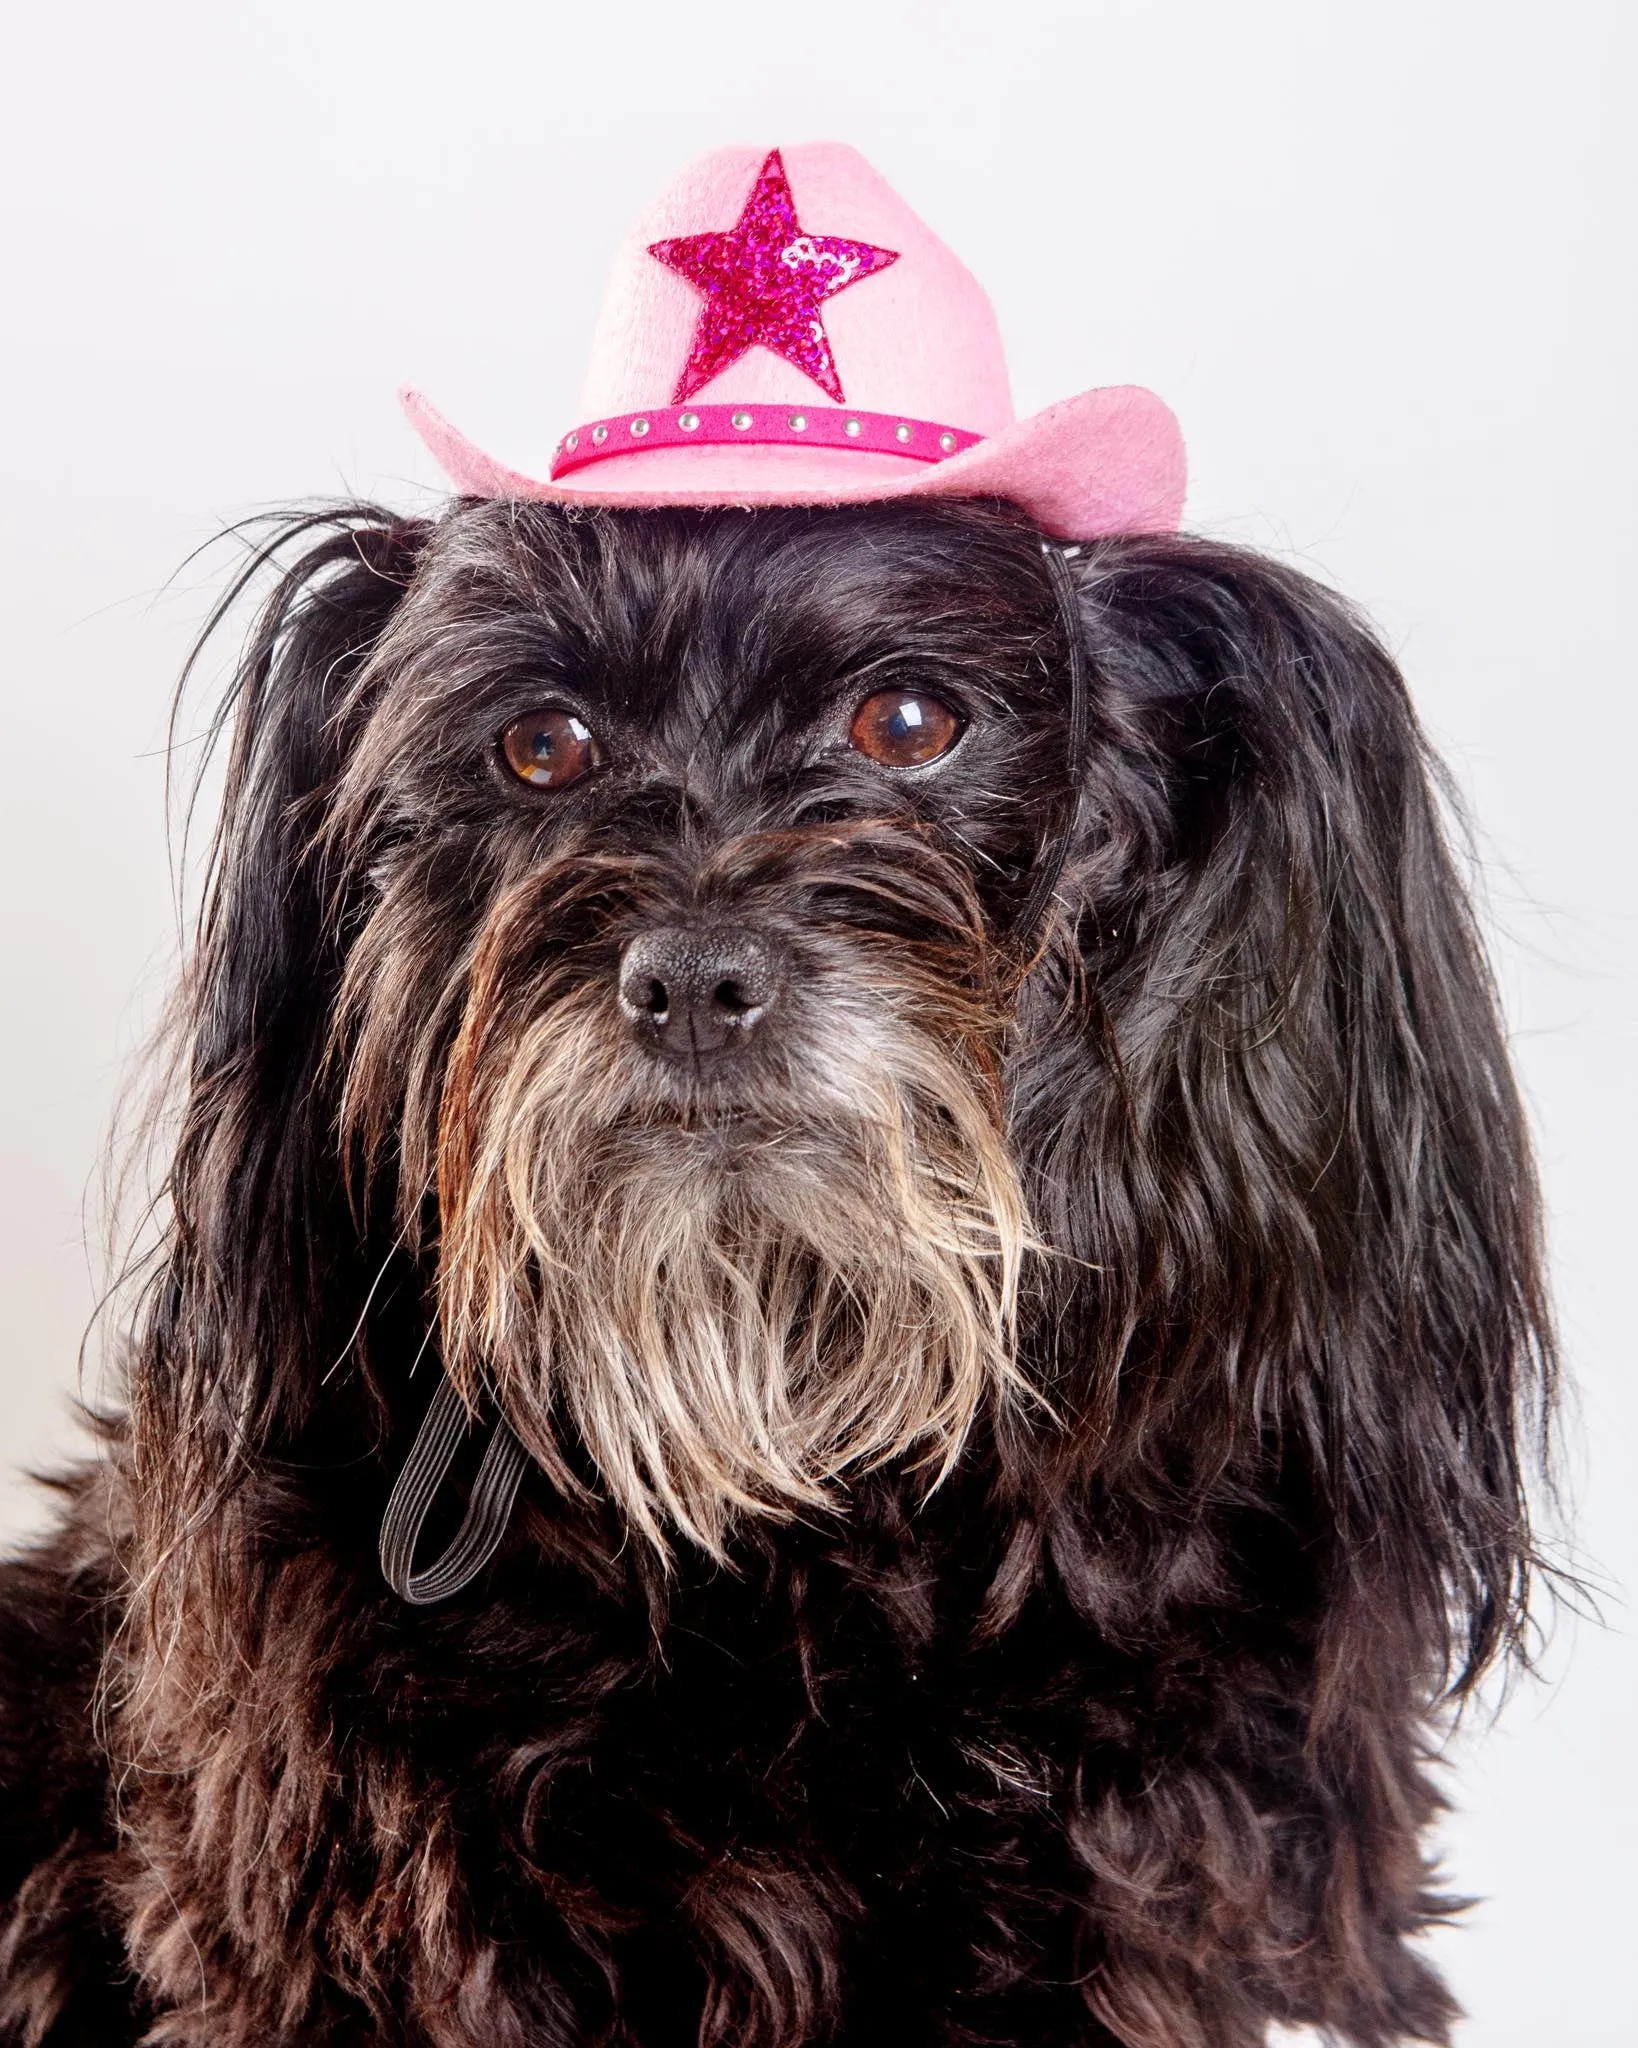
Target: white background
(1377, 257)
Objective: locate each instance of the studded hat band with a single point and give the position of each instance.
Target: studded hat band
(822, 426)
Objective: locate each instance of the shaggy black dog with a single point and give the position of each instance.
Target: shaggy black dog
(1023, 1388)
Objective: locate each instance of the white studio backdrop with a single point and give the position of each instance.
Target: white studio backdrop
(1378, 259)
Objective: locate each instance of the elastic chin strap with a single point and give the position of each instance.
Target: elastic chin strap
(448, 1419)
(1049, 861)
(487, 1511)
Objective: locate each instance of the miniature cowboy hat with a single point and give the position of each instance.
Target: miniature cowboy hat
(783, 330)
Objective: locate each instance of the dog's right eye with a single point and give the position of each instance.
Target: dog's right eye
(904, 729)
(549, 749)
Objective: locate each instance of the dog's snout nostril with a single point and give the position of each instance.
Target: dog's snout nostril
(695, 992)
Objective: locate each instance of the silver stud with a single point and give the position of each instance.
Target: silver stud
(600, 435)
(947, 443)
(740, 419)
(901, 433)
(798, 423)
(688, 421)
(571, 440)
(639, 428)
(852, 429)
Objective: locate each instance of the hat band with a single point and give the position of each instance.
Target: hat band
(878, 433)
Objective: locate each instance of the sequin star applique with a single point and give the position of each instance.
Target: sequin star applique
(765, 280)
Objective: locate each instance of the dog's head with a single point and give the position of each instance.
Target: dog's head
(624, 943)
(685, 856)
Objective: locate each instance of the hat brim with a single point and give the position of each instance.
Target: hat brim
(1109, 461)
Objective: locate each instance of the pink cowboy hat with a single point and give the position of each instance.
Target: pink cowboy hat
(782, 330)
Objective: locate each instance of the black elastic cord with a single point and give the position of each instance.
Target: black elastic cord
(487, 1513)
(1049, 863)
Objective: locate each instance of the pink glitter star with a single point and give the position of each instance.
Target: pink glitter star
(764, 282)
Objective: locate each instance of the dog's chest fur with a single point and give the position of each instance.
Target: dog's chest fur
(821, 1797)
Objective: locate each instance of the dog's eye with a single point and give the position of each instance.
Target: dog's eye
(549, 749)
(903, 729)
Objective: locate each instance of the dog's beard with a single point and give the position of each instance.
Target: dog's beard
(733, 1303)
(731, 1314)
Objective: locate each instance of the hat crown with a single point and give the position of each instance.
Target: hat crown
(916, 337)
(781, 329)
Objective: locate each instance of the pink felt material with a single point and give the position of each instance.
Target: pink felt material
(917, 340)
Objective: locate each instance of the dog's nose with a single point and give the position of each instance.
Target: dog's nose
(698, 992)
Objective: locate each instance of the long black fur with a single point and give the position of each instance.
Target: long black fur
(1121, 1735)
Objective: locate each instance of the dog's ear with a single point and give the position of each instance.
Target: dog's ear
(253, 1197)
(1272, 1124)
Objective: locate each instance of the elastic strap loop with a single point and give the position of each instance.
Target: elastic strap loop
(487, 1512)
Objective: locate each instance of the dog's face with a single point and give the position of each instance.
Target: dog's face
(690, 856)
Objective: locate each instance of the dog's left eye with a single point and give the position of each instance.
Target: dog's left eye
(549, 748)
(904, 729)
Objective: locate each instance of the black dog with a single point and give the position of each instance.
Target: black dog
(984, 1176)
